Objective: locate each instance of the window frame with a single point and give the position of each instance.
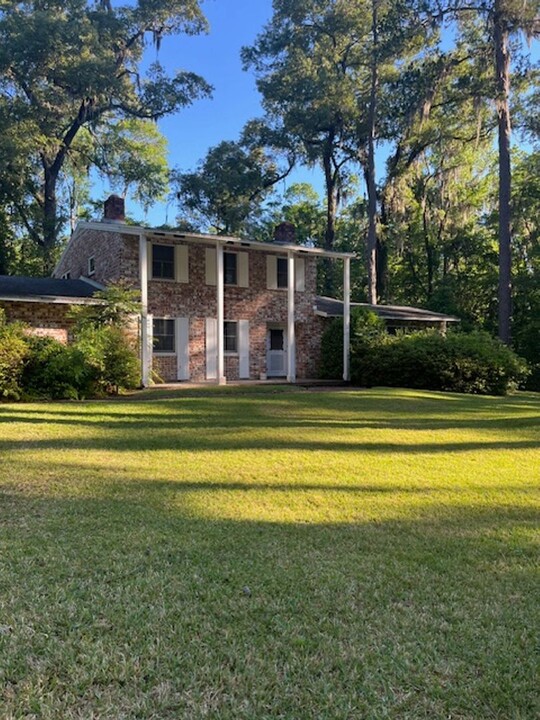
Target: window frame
(227, 351)
(235, 256)
(278, 274)
(91, 265)
(156, 351)
(162, 278)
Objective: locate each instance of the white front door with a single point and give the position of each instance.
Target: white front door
(276, 352)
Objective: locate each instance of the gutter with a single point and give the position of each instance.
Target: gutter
(53, 300)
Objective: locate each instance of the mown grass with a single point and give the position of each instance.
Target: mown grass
(257, 555)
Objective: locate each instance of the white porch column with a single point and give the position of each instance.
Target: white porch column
(146, 348)
(291, 340)
(346, 318)
(221, 380)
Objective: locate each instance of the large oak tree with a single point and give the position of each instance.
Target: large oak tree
(66, 65)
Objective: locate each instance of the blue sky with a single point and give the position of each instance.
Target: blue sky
(216, 56)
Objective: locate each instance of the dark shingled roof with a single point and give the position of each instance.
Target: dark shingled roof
(17, 287)
(330, 307)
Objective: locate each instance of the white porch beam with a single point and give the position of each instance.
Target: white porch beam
(146, 348)
(346, 318)
(291, 340)
(220, 286)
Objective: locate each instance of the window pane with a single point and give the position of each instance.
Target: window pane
(163, 336)
(229, 263)
(276, 339)
(163, 261)
(282, 273)
(230, 337)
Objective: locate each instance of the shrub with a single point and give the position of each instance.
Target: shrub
(367, 328)
(13, 352)
(460, 362)
(54, 370)
(110, 356)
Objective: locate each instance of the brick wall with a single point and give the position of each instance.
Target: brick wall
(43, 319)
(110, 250)
(260, 306)
(117, 258)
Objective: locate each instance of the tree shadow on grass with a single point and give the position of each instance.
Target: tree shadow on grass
(396, 618)
(351, 411)
(226, 441)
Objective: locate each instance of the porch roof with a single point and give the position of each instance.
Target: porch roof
(47, 290)
(331, 308)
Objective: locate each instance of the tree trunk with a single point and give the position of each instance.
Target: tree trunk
(502, 68)
(371, 184)
(430, 262)
(49, 216)
(331, 211)
(382, 254)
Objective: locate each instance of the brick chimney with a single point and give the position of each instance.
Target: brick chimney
(285, 234)
(114, 209)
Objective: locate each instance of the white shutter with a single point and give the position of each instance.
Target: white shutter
(300, 271)
(271, 272)
(181, 263)
(147, 348)
(243, 349)
(149, 258)
(211, 348)
(243, 269)
(182, 348)
(211, 274)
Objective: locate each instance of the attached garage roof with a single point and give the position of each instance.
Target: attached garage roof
(330, 307)
(32, 289)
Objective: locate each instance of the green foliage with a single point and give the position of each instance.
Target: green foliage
(102, 336)
(228, 188)
(57, 371)
(110, 356)
(526, 282)
(367, 329)
(118, 304)
(13, 353)
(70, 77)
(459, 362)
(132, 154)
(102, 360)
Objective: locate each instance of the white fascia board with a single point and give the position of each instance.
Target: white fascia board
(56, 300)
(210, 239)
(91, 282)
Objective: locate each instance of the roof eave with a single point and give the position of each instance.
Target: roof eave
(51, 299)
(210, 239)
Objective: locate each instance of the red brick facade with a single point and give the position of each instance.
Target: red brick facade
(43, 319)
(109, 251)
(116, 258)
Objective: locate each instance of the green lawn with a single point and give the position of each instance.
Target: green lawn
(270, 554)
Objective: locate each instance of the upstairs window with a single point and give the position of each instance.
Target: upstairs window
(163, 262)
(91, 266)
(163, 330)
(282, 272)
(230, 334)
(230, 268)
(66, 276)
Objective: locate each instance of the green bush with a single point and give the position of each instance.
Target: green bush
(54, 370)
(460, 362)
(367, 328)
(13, 352)
(110, 357)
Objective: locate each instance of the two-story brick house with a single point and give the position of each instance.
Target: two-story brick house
(213, 308)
